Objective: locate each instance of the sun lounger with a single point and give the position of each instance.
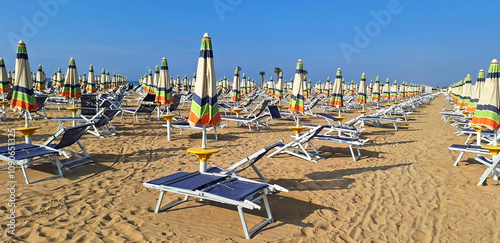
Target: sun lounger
(102, 123)
(348, 140)
(469, 148)
(298, 146)
(26, 155)
(185, 125)
(222, 185)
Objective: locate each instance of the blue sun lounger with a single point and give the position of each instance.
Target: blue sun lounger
(222, 185)
(25, 155)
(493, 167)
(469, 148)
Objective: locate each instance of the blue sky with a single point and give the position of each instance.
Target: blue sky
(425, 42)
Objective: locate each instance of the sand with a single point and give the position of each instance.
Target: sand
(403, 189)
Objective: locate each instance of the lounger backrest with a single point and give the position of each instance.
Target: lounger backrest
(149, 98)
(107, 116)
(274, 111)
(145, 108)
(88, 104)
(72, 135)
(252, 159)
(263, 106)
(40, 100)
(309, 135)
(175, 103)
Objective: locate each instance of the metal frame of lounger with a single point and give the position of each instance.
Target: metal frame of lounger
(493, 167)
(247, 121)
(348, 140)
(346, 129)
(185, 125)
(215, 184)
(296, 147)
(377, 120)
(469, 148)
(102, 120)
(24, 154)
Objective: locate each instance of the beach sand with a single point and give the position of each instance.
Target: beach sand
(403, 189)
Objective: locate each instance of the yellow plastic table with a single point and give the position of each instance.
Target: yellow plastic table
(377, 107)
(279, 107)
(27, 132)
(73, 110)
(493, 149)
(340, 118)
(237, 111)
(297, 130)
(362, 112)
(388, 105)
(203, 155)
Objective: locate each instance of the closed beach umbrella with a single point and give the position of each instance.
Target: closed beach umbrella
(336, 98)
(23, 98)
(5, 85)
(59, 78)
(204, 108)
(193, 82)
(477, 91)
(386, 90)
(224, 85)
(402, 90)
(326, 89)
(376, 91)
(297, 98)
(91, 85)
(487, 113)
(71, 88)
(40, 79)
(243, 84)
(102, 82)
(278, 92)
(235, 89)
(466, 92)
(394, 90)
(164, 90)
(270, 86)
(362, 91)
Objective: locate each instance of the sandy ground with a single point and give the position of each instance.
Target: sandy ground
(403, 189)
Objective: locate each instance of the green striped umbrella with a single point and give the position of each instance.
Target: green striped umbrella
(386, 90)
(23, 98)
(204, 107)
(326, 89)
(235, 90)
(376, 91)
(477, 92)
(243, 84)
(336, 97)
(278, 92)
(91, 85)
(59, 78)
(362, 91)
(297, 97)
(5, 85)
(40, 79)
(394, 90)
(466, 92)
(164, 90)
(71, 88)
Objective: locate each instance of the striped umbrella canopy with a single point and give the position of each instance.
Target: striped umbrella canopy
(178, 83)
(297, 97)
(376, 90)
(84, 80)
(102, 82)
(309, 87)
(235, 92)
(23, 98)
(5, 85)
(278, 92)
(40, 79)
(204, 107)
(304, 83)
(370, 87)
(326, 88)
(362, 91)
(71, 88)
(108, 80)
(224, 85)
(270, 86)
(59, 78)
(156, 77)
(164, 90)
(402, 90)
(243, 84)
(466, 92)
(193, 82)
(149, 82)
(10, 78)
(394, 90)
(386, 90)
(487, 113)
(336, 98)
(91, 85)
(185, 83)
(477, 91)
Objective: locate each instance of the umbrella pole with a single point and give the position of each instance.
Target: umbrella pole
(204, 138)
(495, 137)
(298, 120)
(26, 121)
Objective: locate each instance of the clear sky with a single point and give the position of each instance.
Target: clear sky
(427, 42)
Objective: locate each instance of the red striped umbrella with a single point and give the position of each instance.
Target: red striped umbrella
(71, 88)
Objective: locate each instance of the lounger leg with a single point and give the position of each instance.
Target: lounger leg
(489, 170)
(243, 222)
(395, 126)
(352, 153)
(459, 158)
(215, 130)
(158, 204)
